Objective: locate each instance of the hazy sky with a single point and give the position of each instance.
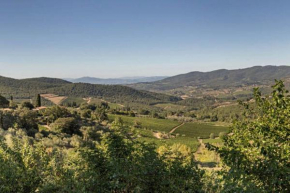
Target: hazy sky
(119, 38)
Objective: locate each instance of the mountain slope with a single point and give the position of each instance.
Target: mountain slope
(220, 78)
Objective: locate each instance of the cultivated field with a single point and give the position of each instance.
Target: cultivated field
(164, 125)
(157, 131)
(170, 107)
(54, 98)
(202, 130)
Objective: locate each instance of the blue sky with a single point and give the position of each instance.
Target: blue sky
(58, 38)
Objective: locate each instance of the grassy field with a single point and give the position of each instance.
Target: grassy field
(165, 125)
(77, 100)
(188, 132)
(170, 107)
(162, 125)
(98, 101)
(201, 130)
(212, 141)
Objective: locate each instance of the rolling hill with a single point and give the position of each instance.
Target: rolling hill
(28, 88)
(220, 79)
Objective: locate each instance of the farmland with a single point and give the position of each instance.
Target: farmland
(163, 125)
(54, 98)
(201, 130)
(186, 134)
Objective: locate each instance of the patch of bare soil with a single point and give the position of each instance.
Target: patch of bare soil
(54, 98)
(88, 100)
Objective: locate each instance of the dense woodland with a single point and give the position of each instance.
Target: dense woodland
(79, 149)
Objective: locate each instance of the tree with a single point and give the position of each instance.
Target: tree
(38, 101)
(26, 119)
(3, 102)
(55, 112)
(101, 115)
(256, 152)
(1, 120)
(27, 105)
(67, 125)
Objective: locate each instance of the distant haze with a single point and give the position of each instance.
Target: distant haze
(123, 80)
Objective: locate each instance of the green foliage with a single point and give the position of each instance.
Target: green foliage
(38, 101)
(73, 101)
(53, 113)
(257, 151)
(197, 103)
(222, 135)
(219, 78)
(27, 105)
(114, 93)
(118, 164)
(100, 115)
(22, 164)
(223, 114)
(137, 124)
(3, 102)
(190, 142)
(149, 123)
(26, 119)
(202, 130)
(67, 125)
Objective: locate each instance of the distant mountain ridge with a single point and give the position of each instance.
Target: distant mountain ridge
(124, 81)
(219, 78)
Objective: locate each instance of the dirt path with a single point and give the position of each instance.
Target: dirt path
(176, 127)
(157, 135)
(88, 100)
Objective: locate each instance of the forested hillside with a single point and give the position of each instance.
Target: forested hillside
(218, 79)
(27, 88)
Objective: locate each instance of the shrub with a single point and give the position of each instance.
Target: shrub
(27, 105)
(67, 125)
(222, 135)
(3, 102)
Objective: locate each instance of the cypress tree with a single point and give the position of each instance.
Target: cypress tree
(1, 121)
(38, 101)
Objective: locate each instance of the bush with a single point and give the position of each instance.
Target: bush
(27, 105)
(222, 135)
(55, 112)
(3, 102)
(212, 136)
(66, 125)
